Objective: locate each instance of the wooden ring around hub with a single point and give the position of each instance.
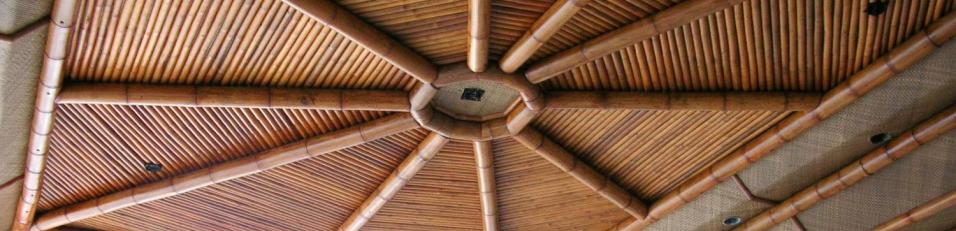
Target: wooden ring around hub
(451, 127)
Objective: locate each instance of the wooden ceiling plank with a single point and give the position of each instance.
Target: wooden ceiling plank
(373, 39)
(855, 172)
(60, 25)
(568, 163)
(234, 97)
(878, 72)
(484, 159)
(232, 169)
(721, 101)
(546, 26)
(395, 182)
(920, 213)
(479, 22)
(661, 22)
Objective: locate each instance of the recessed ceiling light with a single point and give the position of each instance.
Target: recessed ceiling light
(153, 167)
(732, 221)
(880, 138)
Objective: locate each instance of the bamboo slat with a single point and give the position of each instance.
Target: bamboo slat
(405, 171)
(919, 213)
(531, 138)
(720, 101)
(48, 86)
(539, 33)
(479, 22)
(253, 164)
(242, 97)
(368, 36)
(485, 161)
(661, 22)
(869, 164)
(872, 76)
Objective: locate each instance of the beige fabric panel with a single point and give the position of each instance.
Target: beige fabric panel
(710, 209)
(926, 173)
(900, 103)
(15, 14)
(496, 100)
(20, 62)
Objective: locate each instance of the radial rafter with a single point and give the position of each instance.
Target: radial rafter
(479, 22)
(717, 101)
(568, 163)
(661, 22)
(920, 213)
(915, 48)
(869, 164)
(540, 32)
(242, 97)
(245, 166)
(485, 163)
(395, 182)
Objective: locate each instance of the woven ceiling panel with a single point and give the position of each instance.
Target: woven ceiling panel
(916, 94)
(442, 196)
(313, 194)
(533, 194)
(928, 172)
(710, 209)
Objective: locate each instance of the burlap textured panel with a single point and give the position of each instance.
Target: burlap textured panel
(903, 101)
(926, 173)
(710, 209)
(15, 14)
(497, 98)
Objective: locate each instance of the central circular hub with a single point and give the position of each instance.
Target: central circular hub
(475, 100)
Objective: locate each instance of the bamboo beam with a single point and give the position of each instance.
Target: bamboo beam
(920, 213)
(561, 158)
(873, 75)
(245, 97)
(661, 22)
(722, 101)
(269, 159)
(376, 41)
(546, 26)
(485, 161)
(479, 21)
(395, 182)
(48, 86)
(855, 172)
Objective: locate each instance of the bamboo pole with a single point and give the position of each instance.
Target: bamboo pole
(485, 161)
(479, 21)
(722, 101)
(245, 166)
(855, 172)
(873, 75)
(661, 22)
(376, 41)
(546, 26)
(395, 182)
(920, 213)
(561, 158)
(48, 86)
(245, 97)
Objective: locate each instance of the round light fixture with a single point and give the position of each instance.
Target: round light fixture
(732, 221)
(880, 138)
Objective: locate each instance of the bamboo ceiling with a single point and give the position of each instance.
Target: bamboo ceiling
(382, 176)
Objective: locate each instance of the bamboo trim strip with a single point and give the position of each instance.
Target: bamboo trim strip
(33, 26)
(906, 54)
(395, 182)
(245, 97)
(721, 101)
(245, 166)
(568, 163)
(661, 22)
(376, 41)
(546, 26)
(485, 161)
(920, 213)
(479, 21)
(853, 173)
(51, 76)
